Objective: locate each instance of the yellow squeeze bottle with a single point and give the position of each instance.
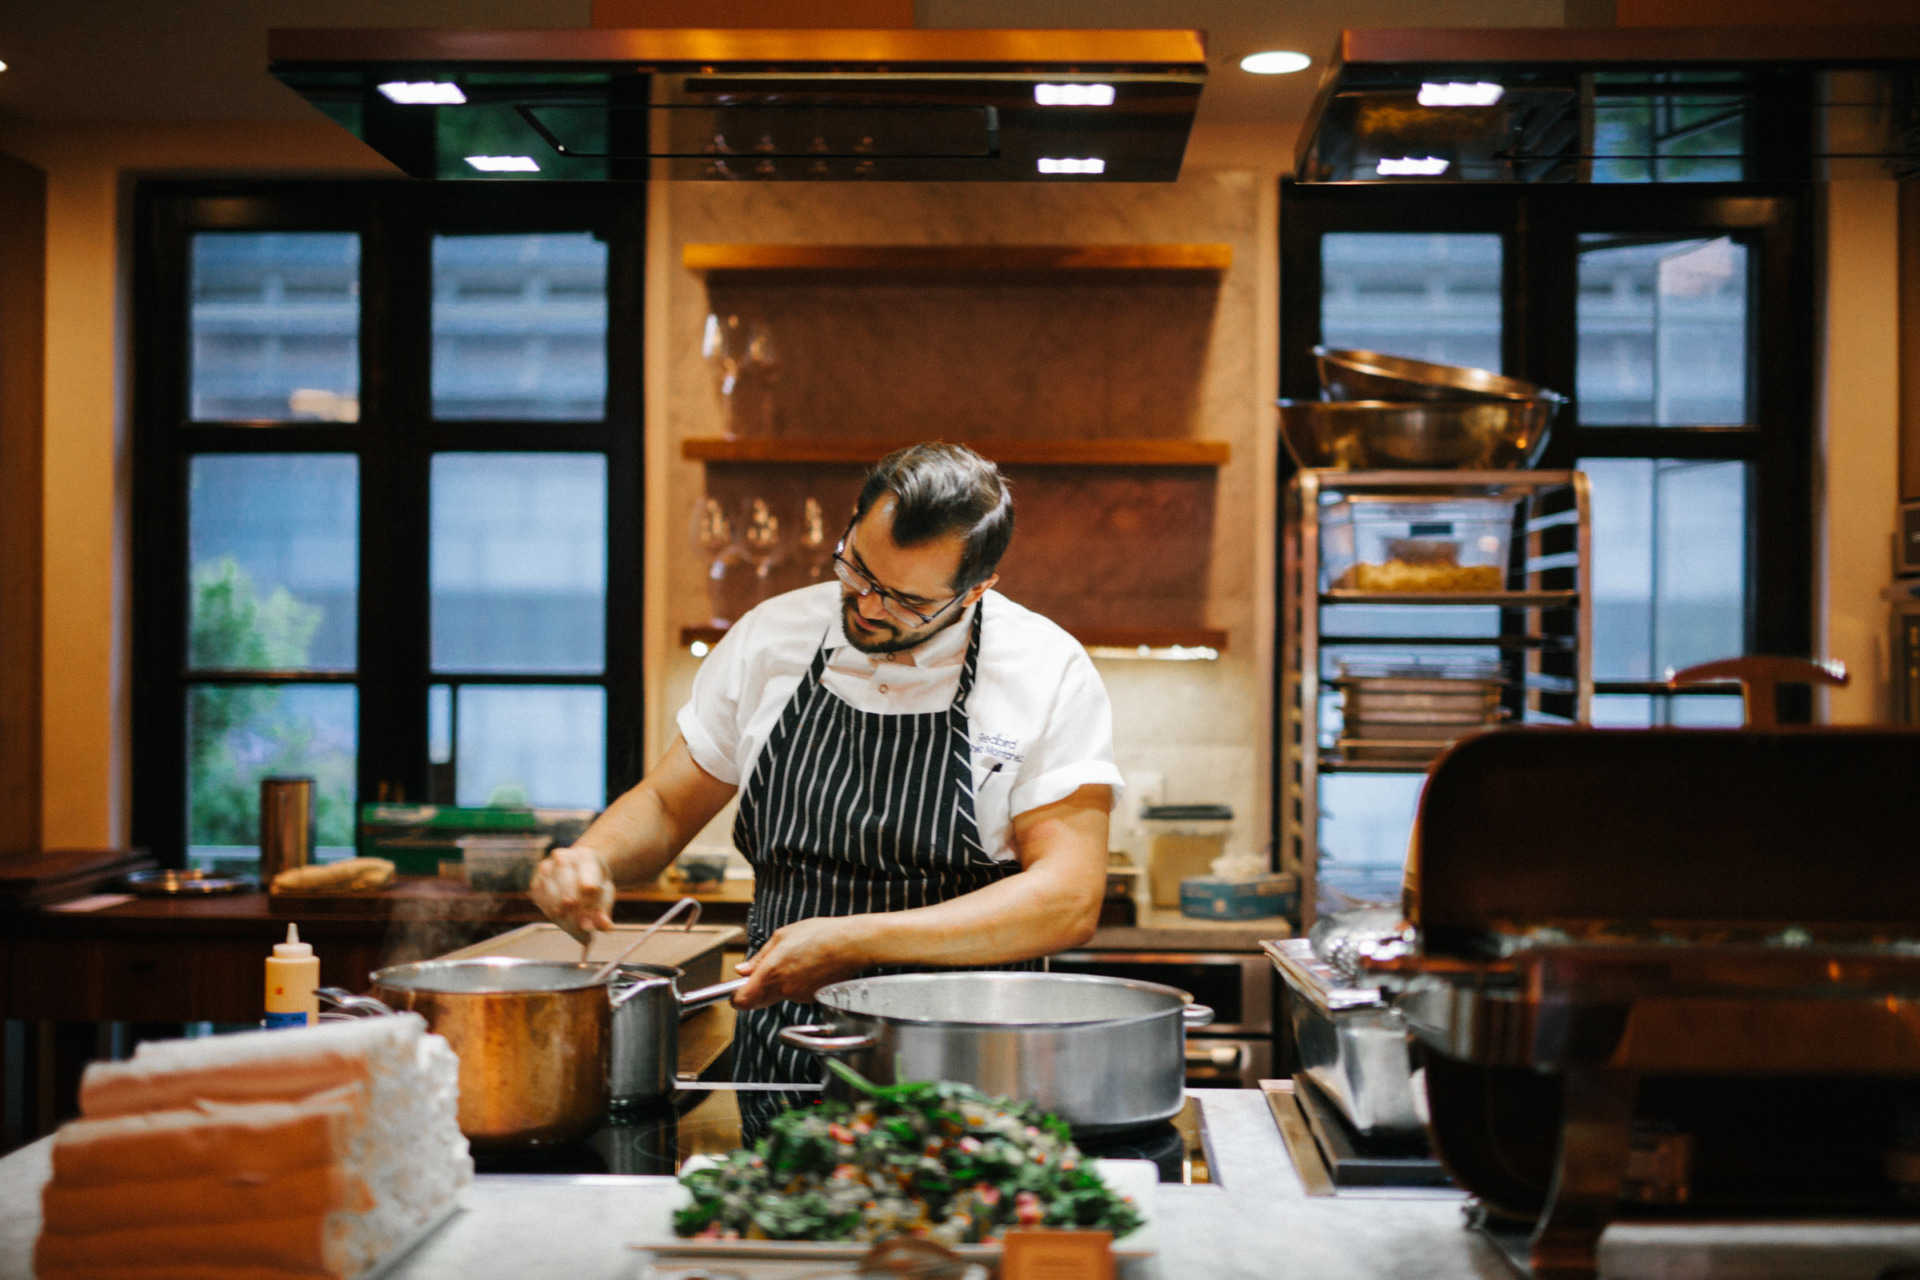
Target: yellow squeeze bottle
(293, 974)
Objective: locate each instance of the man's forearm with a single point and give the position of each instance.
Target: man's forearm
(1032, 913)
(633, 835)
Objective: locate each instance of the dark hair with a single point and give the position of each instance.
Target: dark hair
(941, 490)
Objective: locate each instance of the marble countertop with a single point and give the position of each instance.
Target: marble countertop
(1258, 1223)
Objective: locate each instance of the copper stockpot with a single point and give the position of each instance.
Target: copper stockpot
(534, 1038)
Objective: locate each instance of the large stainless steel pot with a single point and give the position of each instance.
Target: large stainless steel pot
(1371, 375)
(647, 1008)
(534, 1038)
(1101, 1053)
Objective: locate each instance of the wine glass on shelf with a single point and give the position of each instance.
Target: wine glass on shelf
(762, 539)
(812, 539)
(712, 536)
(723, 344)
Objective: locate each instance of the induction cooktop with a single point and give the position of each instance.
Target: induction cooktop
(706, 1121)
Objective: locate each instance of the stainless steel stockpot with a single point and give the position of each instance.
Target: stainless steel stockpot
(647, 1008)
(1103, 1054)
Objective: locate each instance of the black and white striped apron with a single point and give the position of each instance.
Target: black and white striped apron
(848, 812)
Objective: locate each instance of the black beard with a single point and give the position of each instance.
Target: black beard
(900, 642)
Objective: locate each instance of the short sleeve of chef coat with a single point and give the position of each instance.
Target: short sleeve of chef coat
(1076, 748)
(712, 721)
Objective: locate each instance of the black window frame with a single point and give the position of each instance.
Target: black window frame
(395, 439)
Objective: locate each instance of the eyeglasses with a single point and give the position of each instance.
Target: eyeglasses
(864, 586)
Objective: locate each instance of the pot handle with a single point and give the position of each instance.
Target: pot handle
(354, 1006)
(701, 997)
(1195, 1015)
(815, 1038)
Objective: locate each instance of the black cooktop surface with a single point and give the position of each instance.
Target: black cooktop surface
(656, 1140)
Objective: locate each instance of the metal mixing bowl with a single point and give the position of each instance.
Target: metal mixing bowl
(1369, 375)
(1377, 435)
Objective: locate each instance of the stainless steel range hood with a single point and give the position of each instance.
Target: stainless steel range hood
(758, 105)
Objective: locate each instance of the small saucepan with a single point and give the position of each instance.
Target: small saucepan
(647, 1009)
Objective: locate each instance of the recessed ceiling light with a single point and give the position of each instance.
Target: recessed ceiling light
(1073, 95)
(1091, 164)
(1410, 167)
(504, 164)
(423, 93)
(1275, 62)
(3, 66)
(1456, 94)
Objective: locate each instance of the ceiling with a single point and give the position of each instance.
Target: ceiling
(101, 60)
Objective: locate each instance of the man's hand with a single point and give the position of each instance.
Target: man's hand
(575, 889)
(801, 958)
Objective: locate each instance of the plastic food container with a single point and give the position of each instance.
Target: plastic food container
(1393, 545)
(1184, 839)
(502, 863)
(1222, 898)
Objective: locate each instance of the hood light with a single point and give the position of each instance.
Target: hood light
(1456, 94)
(1411, 167)
(1073, 95)
(423, 93)
(504, 164)
(1092, 164)
(1275, 62)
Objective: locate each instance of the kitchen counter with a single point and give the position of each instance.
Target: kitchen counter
(1165, 929)
(1257, 1225)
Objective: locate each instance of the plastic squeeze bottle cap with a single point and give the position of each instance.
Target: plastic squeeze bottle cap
(293, 974)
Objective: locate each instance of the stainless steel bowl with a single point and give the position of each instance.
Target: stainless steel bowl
(1376, 435)
(1370, 375)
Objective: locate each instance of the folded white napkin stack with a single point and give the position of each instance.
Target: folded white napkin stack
(269, 1154)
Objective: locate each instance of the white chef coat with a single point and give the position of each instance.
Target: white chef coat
(1039, 720)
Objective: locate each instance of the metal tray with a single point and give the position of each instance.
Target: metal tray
(1351, 1042)
(177, 883)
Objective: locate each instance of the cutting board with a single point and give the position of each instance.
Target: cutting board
(696, 950)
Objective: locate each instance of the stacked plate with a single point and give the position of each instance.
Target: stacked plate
(1385, 413)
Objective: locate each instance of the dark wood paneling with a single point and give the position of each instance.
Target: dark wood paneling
(23, 258)
(1910, 339)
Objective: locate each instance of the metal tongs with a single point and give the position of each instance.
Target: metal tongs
(606, 969)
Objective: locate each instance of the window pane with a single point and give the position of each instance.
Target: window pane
(1663, 332)
(520, 327)
(275, 321)
(519, 562)
(1431, 297)
(239, 734)
(531, 745)
(1669, 564)
(274, 561)
(1697, 133)
(1364, 823)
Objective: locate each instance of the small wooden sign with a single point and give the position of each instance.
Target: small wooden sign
(1057, 1255)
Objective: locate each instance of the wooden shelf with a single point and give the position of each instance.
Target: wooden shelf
(1041, 453)
(978, 259)
(1104, 637)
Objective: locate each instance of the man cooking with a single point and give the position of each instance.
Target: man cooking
(925, 768)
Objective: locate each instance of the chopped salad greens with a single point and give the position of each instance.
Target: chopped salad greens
(944, 1162)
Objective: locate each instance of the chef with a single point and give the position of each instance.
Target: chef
(925, 768)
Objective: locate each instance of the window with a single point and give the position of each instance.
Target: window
(387, 504)
(1677, 318)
